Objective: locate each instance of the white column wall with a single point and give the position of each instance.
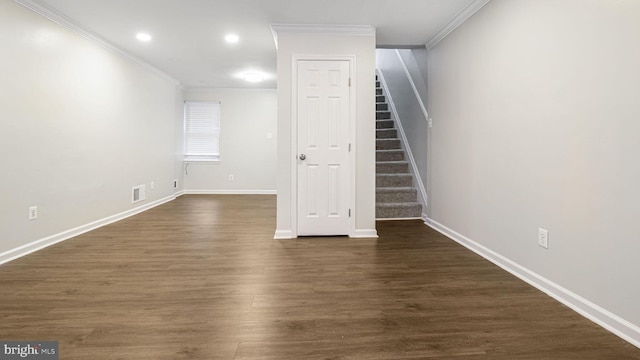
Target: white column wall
(363, 48)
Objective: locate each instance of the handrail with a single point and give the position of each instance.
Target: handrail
(413, 86)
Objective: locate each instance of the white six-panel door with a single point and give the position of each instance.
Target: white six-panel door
(323, 166)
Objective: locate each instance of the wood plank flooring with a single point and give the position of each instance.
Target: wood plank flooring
(202, 278)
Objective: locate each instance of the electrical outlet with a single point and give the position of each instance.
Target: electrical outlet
(33, 212)
(543, 238)
(175, 184)
(231, 177)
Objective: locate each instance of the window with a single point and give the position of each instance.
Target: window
(201, 131)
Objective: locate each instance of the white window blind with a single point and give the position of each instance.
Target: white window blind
(201, 131)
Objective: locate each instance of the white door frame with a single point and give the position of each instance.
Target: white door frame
(294, 136)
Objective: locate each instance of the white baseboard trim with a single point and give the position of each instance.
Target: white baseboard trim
(179, 193)
(612, 322)
(357, 234)
(284, 234)
(230, 192)
(364, 233)
(68, 234)
(407, 218)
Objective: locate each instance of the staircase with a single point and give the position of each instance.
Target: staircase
(396, 196)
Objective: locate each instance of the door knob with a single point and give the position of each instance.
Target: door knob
(303, 156)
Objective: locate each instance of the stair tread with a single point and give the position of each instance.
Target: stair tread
(400, 174)
(387, 189)
(390, 152)
(402, 162)
(399, 204)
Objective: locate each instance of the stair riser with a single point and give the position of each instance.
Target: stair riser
(382, 107)
(401, 196)
(382, 115)
(387, 134)
(378, 91)
(394, 181)
(390, 156)
(392, 168)
(380, 98)
(384, 124)
(400, 212)
(387, 144)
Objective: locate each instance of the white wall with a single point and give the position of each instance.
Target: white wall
(248, 119)
(535, 108)
(363, 48)
(79, 127)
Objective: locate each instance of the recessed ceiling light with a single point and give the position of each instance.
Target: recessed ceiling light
(143, 37)
(232, 38)
(253, 77)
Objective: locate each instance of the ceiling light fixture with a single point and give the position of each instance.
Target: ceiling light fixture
(253, 77)
(232, 38)
(143, 37)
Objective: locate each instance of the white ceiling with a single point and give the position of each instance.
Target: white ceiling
(188, 35)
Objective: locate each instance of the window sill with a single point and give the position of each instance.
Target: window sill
(202, 161)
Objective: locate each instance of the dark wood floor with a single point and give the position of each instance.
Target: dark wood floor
(202, 278)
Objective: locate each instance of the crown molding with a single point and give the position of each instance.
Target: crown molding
(456, 21)
(65, 21)
(317, 29)
(363, 30)
(188, 90)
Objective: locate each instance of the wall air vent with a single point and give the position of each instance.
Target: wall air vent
(138, 194)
